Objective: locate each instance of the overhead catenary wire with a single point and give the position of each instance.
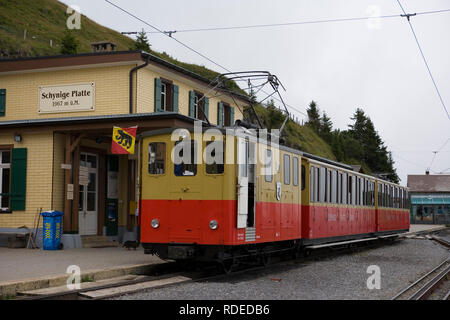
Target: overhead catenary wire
(284, 24)
(423, 57)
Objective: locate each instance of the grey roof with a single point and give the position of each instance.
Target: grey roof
(429, 183)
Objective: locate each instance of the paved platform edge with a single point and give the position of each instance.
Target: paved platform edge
(409, 233)
(10, 288)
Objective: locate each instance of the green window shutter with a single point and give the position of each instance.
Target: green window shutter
(220, 114)
(191, 103)
(2, 102)
(175, 98)
(157, 95)
(231, 116)
(206, 107)
(18, 178)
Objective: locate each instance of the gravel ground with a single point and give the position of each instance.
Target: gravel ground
(341, 276)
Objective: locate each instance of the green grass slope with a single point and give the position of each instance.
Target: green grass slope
(295, 135)
(45, 20)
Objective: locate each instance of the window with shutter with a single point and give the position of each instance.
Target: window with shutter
(158, 88)
(5, 175)
(18, 178)
(2, 102)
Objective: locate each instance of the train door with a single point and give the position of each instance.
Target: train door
(246, 178)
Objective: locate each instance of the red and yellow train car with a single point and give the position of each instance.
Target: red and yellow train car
(254, 198)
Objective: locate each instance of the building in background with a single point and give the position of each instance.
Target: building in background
(430, 198)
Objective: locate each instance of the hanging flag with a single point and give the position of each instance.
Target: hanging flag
(123, 140)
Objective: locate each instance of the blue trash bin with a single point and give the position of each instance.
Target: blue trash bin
(52, 229)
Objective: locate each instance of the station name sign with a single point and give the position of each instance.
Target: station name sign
(67, 98)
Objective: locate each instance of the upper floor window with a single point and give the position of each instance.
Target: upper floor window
(198, 105)
(225, 114)
(166, 96)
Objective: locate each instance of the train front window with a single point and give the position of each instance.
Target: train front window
(156, 158)
(214, 150)
(185, 165)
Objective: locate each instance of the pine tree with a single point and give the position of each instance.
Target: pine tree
(142, 42)
(69, 43)
(313, 117)
(325, 128)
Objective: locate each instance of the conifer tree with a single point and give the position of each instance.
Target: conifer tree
(313, 117)
(69, 43)
(142, 42)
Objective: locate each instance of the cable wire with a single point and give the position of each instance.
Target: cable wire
(298, 22)
(424, 59)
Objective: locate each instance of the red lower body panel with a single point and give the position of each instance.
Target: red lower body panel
(187, 221)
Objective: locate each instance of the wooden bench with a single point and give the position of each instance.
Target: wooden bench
(17, 239)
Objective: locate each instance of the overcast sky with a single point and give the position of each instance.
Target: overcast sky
(340, 65)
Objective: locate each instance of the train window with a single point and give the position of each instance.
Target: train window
(189, 167)
(358, 185)
(216, 154)
(322, 186)
(268, 175)
(344, 188)
(380, 194)
(334, 186)
(386, 195)
(349, 193)
(303, 177)
(339, 187)
(287, 169)
(354, 193)
(311, 184)
(317, 184)
(295, 170)
(156, 158)
(328, 185)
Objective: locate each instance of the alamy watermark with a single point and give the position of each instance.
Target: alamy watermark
(252, 147)
(374, 280)
(74, 279)
(74, 20)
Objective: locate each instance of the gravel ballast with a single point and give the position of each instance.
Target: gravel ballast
(342, 276)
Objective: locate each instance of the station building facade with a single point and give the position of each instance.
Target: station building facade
(430, 198)
(56, 120)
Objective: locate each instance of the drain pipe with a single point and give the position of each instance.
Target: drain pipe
(131, 80)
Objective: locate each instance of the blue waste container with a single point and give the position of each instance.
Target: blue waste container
(52, 229)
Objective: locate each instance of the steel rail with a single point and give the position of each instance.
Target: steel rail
(420, 280)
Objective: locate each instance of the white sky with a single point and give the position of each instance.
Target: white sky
(340, 65)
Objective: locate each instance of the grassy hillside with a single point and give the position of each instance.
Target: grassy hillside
(45, 20)
(295, 135)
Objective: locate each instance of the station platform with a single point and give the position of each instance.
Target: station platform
(27, 269)
(424, 228)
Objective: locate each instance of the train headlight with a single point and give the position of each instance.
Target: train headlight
(155, 223)
(213, 224)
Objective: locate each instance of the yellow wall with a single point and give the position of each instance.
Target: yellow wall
(111, 91)
(39, 177)
(146, 91)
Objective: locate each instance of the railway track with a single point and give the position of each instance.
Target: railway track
(176, 276)
(429, 283)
